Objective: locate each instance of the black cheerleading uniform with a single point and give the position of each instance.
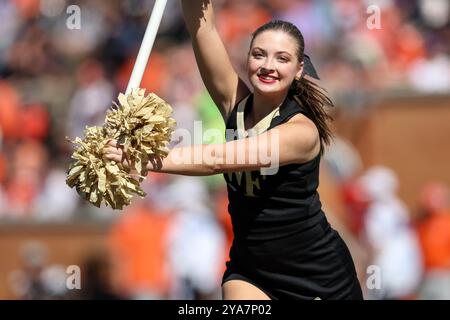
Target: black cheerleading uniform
(283, 243)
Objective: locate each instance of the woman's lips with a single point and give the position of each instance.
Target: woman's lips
(267, 79)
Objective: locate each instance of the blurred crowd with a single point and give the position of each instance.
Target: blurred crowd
(55, 80)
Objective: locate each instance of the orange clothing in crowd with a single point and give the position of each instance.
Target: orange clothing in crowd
(138, 244)
(18, 122)
(155, 75)
(35, 122)
(2, 168)
(28, 8)
(434, 236)
(240, 20)
(9, 111)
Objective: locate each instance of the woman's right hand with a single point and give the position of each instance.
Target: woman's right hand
(114, 152)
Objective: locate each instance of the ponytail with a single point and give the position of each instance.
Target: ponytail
(313, 101)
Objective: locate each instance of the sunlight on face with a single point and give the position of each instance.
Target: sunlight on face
(273, 62)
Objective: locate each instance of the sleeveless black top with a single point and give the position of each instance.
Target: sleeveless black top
(264, 207)
(283, 243)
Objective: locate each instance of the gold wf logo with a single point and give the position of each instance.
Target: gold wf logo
(251, 184)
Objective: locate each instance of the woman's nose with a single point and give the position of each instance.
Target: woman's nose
(267, 66)
(266, 69)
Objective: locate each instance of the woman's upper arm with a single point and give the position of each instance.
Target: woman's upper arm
(299, 140)
(218, 74)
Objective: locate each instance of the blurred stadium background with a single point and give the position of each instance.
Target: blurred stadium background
(385, 180)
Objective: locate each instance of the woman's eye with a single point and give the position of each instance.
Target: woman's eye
(283, 59)
(257, 54)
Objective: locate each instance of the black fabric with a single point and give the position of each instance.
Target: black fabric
(283, 242)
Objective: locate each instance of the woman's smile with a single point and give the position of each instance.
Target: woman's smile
(267, 79)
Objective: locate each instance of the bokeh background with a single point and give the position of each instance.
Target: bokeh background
(384, 181)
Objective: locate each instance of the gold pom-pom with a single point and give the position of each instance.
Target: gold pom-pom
(142, 125)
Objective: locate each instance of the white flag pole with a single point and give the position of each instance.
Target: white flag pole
(146, 45)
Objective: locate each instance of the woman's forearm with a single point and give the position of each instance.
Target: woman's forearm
(189, 161)
(208, 159)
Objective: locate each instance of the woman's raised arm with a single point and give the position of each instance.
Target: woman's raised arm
(218, 74)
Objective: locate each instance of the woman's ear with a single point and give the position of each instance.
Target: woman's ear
(299, 73)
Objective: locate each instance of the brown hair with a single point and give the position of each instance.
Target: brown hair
(306, 93)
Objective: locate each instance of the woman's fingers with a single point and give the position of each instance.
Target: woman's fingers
(113, 157)
(112, 153)
(113, 143)
(112, 150)
(116, 154)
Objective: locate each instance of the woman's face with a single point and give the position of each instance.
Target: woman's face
(273, 62)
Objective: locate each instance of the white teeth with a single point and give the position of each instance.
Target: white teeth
(267, 77)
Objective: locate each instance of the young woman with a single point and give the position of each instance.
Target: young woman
(284, 247)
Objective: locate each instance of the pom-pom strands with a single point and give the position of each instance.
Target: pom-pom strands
(142, 126)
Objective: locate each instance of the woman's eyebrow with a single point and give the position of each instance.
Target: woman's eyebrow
(278, 52)
(285, 52)
(258, 48)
